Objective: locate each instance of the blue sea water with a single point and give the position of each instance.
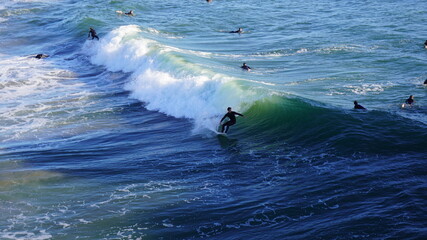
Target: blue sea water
(115, 139)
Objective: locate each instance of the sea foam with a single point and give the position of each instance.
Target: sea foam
(165, 81)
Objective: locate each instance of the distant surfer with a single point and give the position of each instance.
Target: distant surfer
(245, 67)
(130, 13)
(92, 33)
(232, 116)
(425, 44)
(358, 106)
(425, 82)
(240, 30)
(40, 56)
(410, 100)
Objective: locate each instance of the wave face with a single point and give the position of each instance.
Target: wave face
(163, 80)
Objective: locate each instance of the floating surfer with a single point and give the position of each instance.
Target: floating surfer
(40, 56)
(240, 30)
(231, 115)
(358, 106)
(245, 67)
(130, 13)
(92, 33)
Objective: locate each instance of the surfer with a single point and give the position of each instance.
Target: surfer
(40, 56)
(245, 67)
(92, 33)
(130, 13)
(232, 116)
(358, 106)
(240, 30)
(410, 100)
(425, 44)
(425, 82)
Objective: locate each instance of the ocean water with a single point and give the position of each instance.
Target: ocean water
(115, 139)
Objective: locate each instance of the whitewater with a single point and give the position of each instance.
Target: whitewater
(116, 138)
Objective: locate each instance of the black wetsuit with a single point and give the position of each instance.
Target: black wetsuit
(357, 106)
(93, 34)
(409, 101)
(232, 117)
(245, 67)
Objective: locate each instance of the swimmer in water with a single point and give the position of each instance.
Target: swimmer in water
(245, 67)
(92, 33)
(358, 106)
(232, 116)
(130, 13)
(40, 56)
(240, 30)
(410, 100)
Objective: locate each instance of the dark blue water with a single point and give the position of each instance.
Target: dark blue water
(116, 138)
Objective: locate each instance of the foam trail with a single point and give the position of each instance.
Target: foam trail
(167, 83)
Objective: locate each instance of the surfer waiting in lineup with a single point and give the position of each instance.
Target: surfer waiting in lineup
(92, 33)
(358, 106)
(245, 67)
(232, 116)
(40, 56)
(410, 100)
(240, 30)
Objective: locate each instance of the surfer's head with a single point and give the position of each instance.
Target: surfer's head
(355, 102)
(229, 109)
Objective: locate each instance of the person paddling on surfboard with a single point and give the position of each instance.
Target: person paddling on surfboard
(245, 67)
(232, 116)
(358, 106)
(410, 100)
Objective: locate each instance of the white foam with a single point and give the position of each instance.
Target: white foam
(30, 90)
(166, 82)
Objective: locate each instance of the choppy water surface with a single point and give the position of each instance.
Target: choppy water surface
(115, 139)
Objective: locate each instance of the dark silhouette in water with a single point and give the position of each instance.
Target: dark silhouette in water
(92, 33)
(425, 82)
(130, 13)
(245, 67)
(410, 100)
(358, 106)
(40, 56)
(240, 30)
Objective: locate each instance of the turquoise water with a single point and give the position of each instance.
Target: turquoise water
(115, 139)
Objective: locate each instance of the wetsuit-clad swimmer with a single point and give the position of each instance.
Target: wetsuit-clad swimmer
(245, 67)
(40, 56)
(240, 30)
(92, 33)
(231, 115)
(358, 106)
(410, 100)
(130, 13)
